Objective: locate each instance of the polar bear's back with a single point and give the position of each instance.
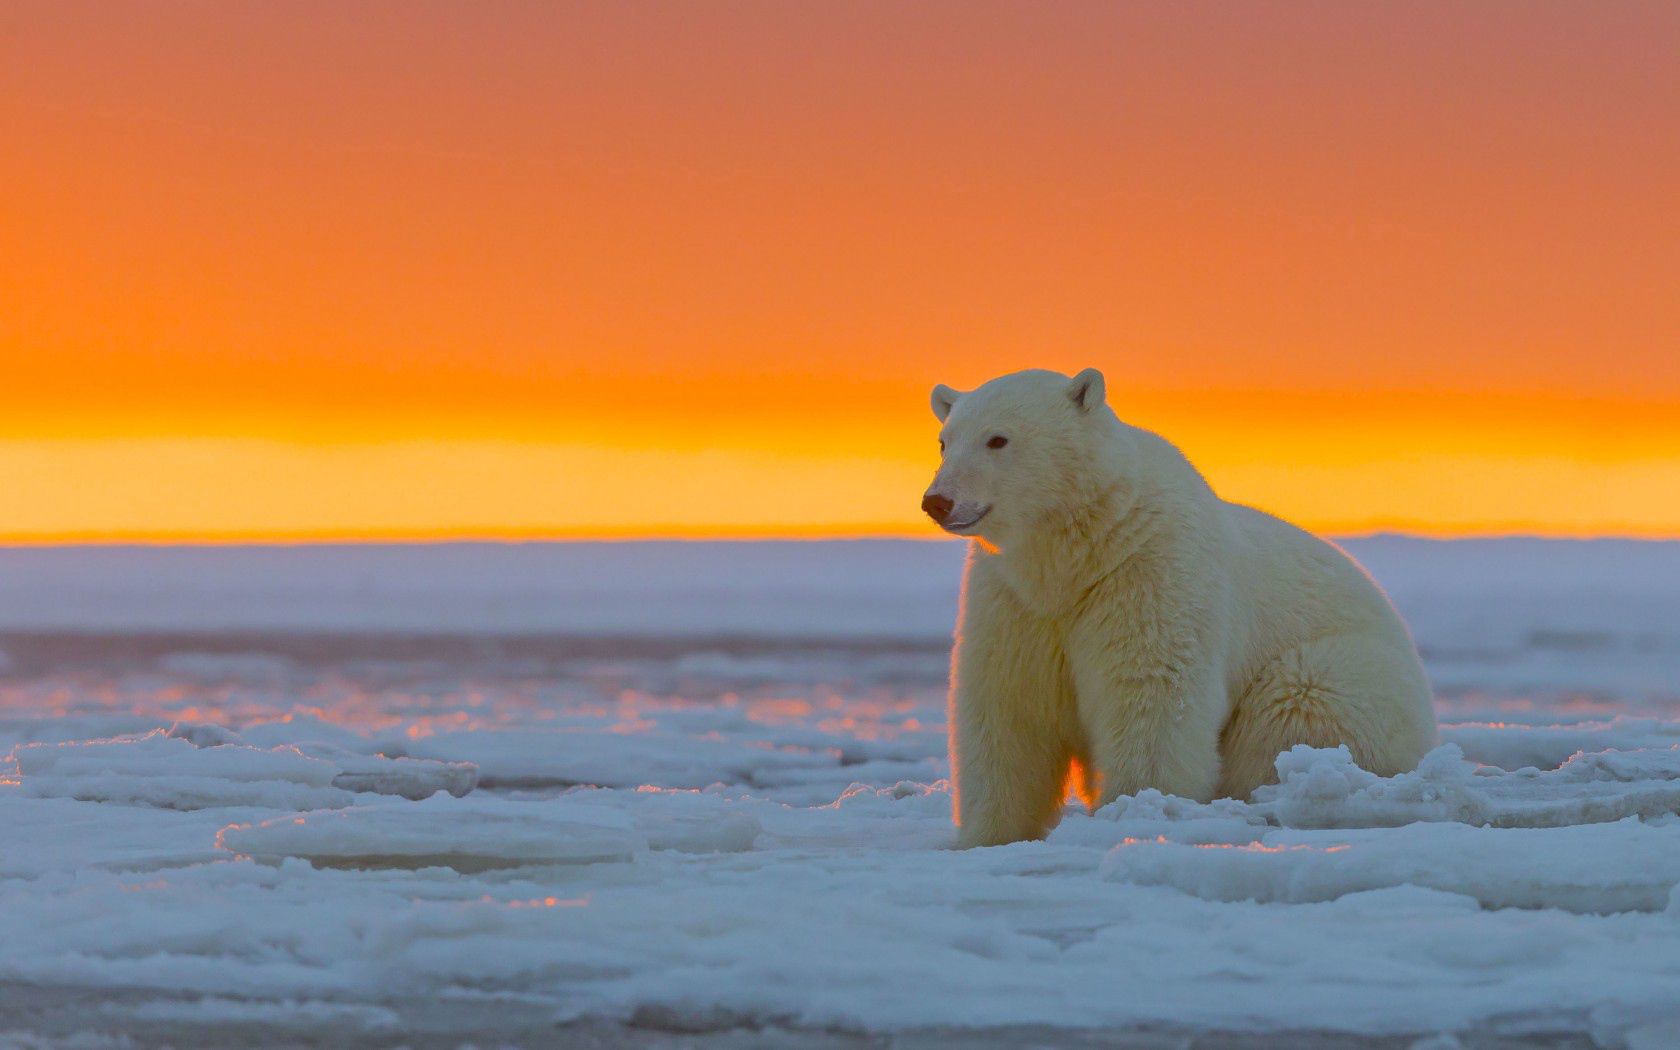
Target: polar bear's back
(1287, 585)
(1301, 586)
(1325, 659)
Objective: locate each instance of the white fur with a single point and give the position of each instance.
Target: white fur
(1121, 621)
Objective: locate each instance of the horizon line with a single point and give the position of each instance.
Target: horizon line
(452, 537)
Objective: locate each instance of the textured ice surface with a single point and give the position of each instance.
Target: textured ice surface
(157, 769)
(1325, 789)
(482, 833)
(1515, 745)
(539, 757)
(202, 767)
(711, 788)
(465, 834)
(1590, 868)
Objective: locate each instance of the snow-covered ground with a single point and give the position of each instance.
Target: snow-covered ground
(474, 792)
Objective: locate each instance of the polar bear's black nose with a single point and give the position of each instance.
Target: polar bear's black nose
(937, 507)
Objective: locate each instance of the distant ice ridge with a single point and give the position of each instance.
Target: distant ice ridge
(1532, 614)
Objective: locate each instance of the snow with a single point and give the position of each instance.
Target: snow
(705, 786)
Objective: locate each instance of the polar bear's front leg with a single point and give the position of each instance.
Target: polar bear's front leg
(1010, 715)
(1146, 662)
(1149, 731)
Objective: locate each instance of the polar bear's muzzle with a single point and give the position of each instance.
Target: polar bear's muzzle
(952, 516)
(963, 524)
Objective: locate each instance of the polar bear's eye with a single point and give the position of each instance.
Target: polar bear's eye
(997, 442)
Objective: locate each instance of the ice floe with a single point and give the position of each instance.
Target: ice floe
(335, 832)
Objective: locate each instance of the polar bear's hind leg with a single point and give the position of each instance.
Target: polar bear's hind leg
(1365, 691)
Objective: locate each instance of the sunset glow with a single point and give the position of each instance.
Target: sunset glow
(381, 271)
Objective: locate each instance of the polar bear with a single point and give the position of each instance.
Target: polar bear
(1124, 627)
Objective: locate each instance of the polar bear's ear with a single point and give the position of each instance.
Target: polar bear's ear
(1086, 390)
(943, 398)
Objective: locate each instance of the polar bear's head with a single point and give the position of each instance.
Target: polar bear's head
(1014, 450)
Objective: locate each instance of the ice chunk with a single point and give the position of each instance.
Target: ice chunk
(204, 766)
(682, 820)
(1598, 868)
(1512, 746)
(206, 734)
(535, 758)
(1324, 788)
(157, 769)
(412, 778)
(469, 835)
(299, 728)
(907, 815)
(48, 835)
(1150, 814)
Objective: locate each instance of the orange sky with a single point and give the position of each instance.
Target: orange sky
(326, 269)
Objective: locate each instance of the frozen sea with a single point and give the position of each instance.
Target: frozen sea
(648, 794)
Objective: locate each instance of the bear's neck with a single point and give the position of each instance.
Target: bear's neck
(1054, 567)
(1134, 500)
